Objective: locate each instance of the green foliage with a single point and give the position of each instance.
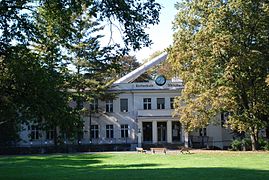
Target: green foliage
(236, 145)
(266, 146)
(241, 144)
(263, 144)
(164, 68)
(220, 50)
(245, 144)
(39, 43)
(127, 64)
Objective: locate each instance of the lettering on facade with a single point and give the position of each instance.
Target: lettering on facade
(174, 84)
(144, 85)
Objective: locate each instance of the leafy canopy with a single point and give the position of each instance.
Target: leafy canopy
(41, 40)
(221, 51)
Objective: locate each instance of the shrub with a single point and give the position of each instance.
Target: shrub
(241, 144)
(263, 144)
(266, 147)
(246, 144)
(236, 145)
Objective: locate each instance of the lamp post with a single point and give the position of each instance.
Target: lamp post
(46, 148)
(31, 143)
(90, 124)
(139, 140)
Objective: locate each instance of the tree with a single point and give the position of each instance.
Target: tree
(221, 51)
(164, 68)
(35, 38)
(126, 65)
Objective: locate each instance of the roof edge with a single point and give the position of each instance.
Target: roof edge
(139, 71)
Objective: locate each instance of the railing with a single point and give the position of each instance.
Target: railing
(111, 141)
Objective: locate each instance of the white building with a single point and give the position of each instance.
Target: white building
(141, 115)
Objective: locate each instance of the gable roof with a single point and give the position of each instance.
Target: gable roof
(139, 71)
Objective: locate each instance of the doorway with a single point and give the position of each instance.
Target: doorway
(176, 131)
(162, 131)
(147, 131)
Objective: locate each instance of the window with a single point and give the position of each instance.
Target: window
(124, 105)
(109, 131)
(160, 103)
(94, 105)
(147, 103)
(34, 132)
(202, 131)
(50, 134)
(124, 130)
(223, 118)
(172, 100)
(94, 131)
(109, 105)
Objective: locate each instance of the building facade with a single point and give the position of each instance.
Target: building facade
(142, 114)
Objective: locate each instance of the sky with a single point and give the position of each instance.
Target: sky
(161, 34)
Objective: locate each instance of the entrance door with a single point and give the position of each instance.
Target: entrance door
(147, 131)
(162, 130)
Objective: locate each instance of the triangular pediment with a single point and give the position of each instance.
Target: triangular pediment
(142, 69)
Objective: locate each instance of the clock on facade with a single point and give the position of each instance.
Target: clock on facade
(160, 80)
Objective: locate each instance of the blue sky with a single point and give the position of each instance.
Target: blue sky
(160, 34)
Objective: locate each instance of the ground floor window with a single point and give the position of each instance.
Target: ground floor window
(109, 131)
(202, 132)
(50, 134)
(35, 132)
(124, 130)
(94, 131)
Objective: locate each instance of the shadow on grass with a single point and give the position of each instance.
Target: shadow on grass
(92, 167)
(43, 162)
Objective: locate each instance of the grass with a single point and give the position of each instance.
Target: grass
(200, 165)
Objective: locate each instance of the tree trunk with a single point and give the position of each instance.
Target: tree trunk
(186, 139)
(254, 138)
(55, 137)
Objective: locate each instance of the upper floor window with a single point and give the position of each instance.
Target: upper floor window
(109, 105)
(94, 105)
(94, 131)
(147, 103)
(124, 105)
(172, 100)
(109, 131)
(160, 103)
(124, 130)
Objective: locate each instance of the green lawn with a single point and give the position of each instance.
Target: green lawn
(226, 165)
